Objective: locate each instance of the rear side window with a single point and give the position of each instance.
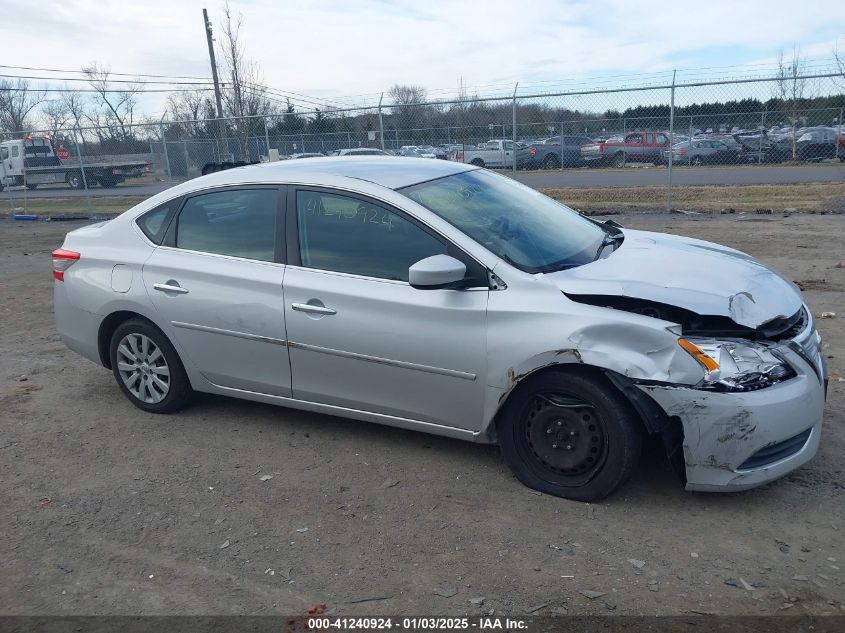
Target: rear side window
(154, 223)
(240, 223)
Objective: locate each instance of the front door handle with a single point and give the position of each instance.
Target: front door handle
(177, 289)
(312, 309)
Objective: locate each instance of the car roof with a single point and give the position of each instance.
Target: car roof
(386, 171)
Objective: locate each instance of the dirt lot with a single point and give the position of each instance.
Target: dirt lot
(108, 510)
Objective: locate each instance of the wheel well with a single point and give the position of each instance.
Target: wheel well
(107, 328)
(651, 416)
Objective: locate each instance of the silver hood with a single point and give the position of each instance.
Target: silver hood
(700, 276)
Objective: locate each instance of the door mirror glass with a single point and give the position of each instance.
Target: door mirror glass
(437, 271)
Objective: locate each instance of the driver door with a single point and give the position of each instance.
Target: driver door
(359, 335)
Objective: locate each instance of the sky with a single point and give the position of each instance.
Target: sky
(348, 51)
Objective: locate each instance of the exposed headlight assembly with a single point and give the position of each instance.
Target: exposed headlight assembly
(736, 365)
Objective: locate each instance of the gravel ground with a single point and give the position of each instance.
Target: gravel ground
(109, 510)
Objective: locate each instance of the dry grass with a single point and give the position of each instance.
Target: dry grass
(70, 206)
(804, 197)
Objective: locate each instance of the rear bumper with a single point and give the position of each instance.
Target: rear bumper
(79, 329)
(737, 441)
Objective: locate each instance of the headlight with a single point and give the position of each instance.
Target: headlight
(736, 365)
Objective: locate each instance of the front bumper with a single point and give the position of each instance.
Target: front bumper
(737, 441)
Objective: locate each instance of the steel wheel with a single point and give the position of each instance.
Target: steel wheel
(569, 434)
(566, 436)
(143, 368)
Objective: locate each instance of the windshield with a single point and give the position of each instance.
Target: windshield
(522, 226)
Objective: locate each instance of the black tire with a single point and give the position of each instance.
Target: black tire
(31, 187)
(569, 435)
(551, 162)
(179, 390)
(618, 160)
(477, 162)
(74, 179)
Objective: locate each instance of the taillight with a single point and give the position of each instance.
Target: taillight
(459, 156)
(62, 260)
(533, 151)
(682, 152)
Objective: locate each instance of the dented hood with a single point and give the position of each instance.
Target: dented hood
(700, 276)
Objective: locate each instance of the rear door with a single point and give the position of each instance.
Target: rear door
(217, 285)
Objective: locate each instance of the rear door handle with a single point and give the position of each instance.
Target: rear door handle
(312, 309)
(179, 290)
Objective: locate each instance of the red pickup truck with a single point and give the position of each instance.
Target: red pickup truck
(634, 147)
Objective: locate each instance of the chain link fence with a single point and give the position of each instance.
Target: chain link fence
(771, 120)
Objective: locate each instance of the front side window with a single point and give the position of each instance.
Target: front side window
(4, 153)
(518, 224)
(240, 223)
(348, 235)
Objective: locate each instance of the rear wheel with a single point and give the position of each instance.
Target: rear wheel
(551, 162)
(618, 160)
(147, 368)
(569, 435)
(477, 162)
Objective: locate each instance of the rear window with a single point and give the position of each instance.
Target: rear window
(154, 223)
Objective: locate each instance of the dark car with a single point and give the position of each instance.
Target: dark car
(820, 143)
(558, 151)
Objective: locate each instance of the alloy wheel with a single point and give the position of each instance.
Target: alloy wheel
(143, 368)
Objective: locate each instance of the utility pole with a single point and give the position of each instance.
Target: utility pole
(210, 39)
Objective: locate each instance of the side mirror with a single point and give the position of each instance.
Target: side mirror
(436, 272)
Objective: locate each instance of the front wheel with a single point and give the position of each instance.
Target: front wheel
(618, 160)
(569, 435)
(75, 180)
(147, 368)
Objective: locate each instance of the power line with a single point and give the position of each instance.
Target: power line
(106, 80)
(69, 70)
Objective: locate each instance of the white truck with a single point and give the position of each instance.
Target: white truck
(32, 161)
(494, 153)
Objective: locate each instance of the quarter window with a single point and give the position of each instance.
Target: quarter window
(154, 223)
(349, 235)
(241, 223)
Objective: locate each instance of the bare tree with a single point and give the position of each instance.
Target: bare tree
(244, 93)
(55, 115)
(790, 88)
(402, 94)
(17, 102)
(191, 110)
(118, 104)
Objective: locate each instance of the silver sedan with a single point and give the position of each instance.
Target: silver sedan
(440, 297)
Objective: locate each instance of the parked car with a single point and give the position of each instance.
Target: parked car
(701, 152)
(440, 297)
(415, 152)
(495, 153)
(437, 152)
(636, 147)
(362, 151)
(820, 143)
(558, 151)
(306, 155)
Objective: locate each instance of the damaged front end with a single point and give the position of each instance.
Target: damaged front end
(756, 413)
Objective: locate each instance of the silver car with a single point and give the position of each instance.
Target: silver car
(440, 297)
